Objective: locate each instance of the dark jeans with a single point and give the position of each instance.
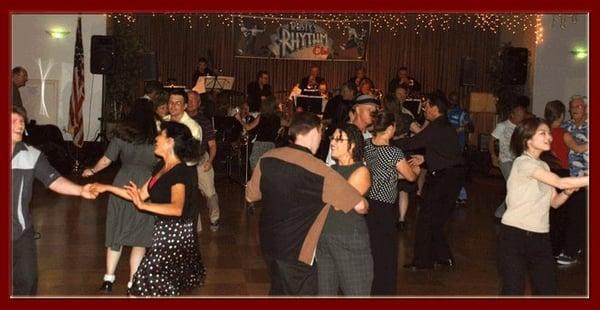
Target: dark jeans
(291, 278)
(383, 236)
(520, 253)
(576, 222)
(24, 265)
(439, 199)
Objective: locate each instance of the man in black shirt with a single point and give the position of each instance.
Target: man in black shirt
(259, 90)
(445, 177)
(336, 111)
(202, 70)
(296, 190)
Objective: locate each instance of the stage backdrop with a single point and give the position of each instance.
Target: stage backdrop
(300, 39)
(432, 57)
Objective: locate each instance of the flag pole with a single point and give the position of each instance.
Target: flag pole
(76, 166)
(77, 99)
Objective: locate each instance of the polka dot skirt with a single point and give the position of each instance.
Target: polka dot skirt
(173, 264)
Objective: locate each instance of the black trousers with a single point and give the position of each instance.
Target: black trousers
(558, 221)
(439, 198)
(24, 265)
(522, 253)
(292, 278)
(576, 222)
(383, 236)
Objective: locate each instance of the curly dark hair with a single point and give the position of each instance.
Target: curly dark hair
(355, 138)
(186, 147)
(139, 126)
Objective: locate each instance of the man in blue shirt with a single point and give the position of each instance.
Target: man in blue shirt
(461, 121)
(576, 206)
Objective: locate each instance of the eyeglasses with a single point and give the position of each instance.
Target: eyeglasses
(332, 138)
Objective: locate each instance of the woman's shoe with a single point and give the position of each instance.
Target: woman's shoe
(106, 287)
(445, 262)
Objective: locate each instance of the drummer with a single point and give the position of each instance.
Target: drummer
(258, 90)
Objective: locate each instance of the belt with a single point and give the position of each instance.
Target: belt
(525, 232)
(441, 171)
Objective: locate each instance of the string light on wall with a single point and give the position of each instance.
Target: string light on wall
(539, 29)
(393, 22)
(122, 17)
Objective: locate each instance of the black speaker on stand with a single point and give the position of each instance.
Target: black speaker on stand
(514, 66)
(468, 72)
(102, 60)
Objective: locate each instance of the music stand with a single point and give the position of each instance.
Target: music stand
(310, 103)
(414, 106)
(212, 83)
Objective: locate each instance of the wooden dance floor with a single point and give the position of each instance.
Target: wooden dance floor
(71, 251)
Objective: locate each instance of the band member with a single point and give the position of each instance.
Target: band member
(258, 90)
(360, 74)
(403, 78)
(202, 69)
(310, 84)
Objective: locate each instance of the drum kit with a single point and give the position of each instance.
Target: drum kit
(225, 102)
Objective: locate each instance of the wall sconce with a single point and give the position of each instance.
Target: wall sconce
(57, 33)
(580, 53)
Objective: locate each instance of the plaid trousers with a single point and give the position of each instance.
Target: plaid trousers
(344, 262)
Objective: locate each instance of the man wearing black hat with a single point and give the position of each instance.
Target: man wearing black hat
(362, 116)
(445, 177)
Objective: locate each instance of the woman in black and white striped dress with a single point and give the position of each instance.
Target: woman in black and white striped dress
(385, 164)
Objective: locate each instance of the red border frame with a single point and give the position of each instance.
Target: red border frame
(92, 6)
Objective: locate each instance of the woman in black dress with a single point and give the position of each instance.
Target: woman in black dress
(173, 264)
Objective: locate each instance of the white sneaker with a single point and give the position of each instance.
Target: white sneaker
(564, 259)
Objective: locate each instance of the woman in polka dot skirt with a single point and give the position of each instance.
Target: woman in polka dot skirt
(173, 264)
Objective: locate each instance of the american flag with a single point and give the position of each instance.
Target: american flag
(78, 92)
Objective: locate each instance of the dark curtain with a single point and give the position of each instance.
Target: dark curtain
(433, 57)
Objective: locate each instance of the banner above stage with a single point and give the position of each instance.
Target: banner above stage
(300, 39)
